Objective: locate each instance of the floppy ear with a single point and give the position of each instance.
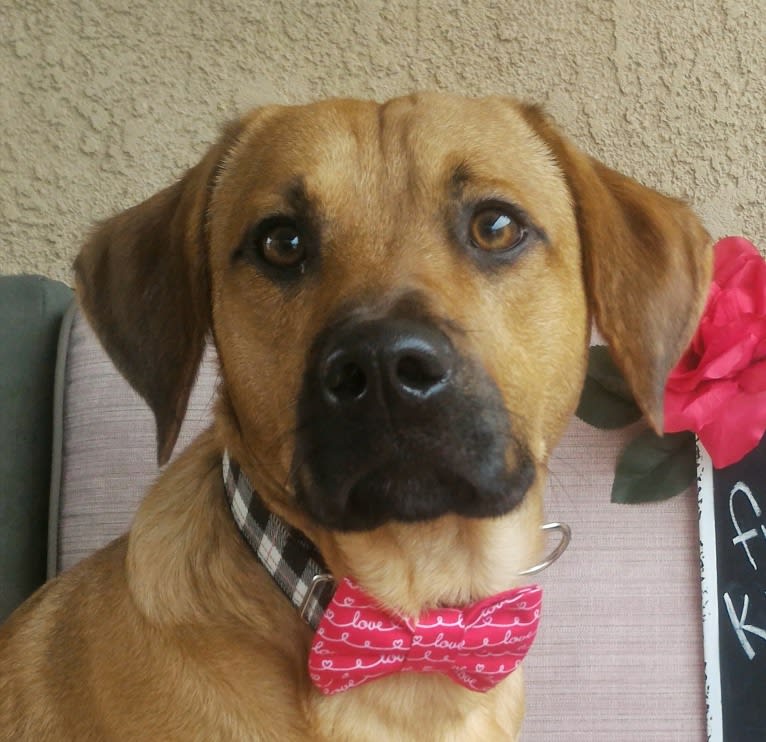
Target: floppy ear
(647, 264)
(142, 280)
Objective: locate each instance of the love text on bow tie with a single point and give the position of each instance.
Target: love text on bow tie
(477, 646)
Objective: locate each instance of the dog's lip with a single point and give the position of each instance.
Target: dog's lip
(347, 490)
(399, 472)
(337, 506)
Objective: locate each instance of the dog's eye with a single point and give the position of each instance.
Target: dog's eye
(494, 229)
(281, 245)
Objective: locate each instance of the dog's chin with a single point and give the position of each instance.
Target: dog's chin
(407, 494)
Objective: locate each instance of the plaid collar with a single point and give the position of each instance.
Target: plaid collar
(288, 556)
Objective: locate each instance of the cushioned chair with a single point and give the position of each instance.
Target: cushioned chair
(619, 655)
(31, 308)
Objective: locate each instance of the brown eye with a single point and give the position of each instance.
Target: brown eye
(282, 246)
(494, 229)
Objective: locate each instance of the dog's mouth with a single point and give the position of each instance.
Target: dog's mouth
(409, 493)
(364, 493)
(396, 425)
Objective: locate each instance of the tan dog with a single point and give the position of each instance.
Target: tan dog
(400, 296)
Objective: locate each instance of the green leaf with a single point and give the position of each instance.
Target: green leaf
(602, 368)
(606, 401)
(654, 468)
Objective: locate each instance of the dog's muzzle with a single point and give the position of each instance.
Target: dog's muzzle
(395, 424)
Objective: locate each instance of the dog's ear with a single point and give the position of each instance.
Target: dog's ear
(142, 280)
(647, 263)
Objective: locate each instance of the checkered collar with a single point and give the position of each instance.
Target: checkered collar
(288, 556)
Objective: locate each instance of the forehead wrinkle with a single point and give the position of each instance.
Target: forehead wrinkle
(398, 145)
(348, 193)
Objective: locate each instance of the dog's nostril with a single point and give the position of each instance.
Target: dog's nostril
(369, 365)
(346, 381)
(419, 373)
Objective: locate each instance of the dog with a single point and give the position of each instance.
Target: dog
(401, 298)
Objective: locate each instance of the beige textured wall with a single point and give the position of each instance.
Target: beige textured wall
(102, 102)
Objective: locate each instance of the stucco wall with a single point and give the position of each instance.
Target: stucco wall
(104, 102)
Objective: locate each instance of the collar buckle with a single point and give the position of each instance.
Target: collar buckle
(316, 581)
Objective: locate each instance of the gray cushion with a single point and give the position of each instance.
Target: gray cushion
(108, 454)
(31, 308)
(619, 654)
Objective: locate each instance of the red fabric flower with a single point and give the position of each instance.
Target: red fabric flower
(718, 388)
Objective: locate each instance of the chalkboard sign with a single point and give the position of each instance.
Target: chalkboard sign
(733, 543)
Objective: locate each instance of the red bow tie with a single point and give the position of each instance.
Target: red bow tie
(357, 640)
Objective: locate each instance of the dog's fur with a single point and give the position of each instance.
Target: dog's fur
(175, 631)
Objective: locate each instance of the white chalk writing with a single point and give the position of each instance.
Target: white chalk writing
(741, 489)
(742, 629)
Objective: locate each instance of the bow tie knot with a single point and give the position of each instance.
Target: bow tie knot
(358, 641)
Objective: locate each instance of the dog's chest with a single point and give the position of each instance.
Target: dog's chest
(419, 709)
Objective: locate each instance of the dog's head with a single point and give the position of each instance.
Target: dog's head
(400, 296)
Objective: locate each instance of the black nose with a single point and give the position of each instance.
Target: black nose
(388, 361)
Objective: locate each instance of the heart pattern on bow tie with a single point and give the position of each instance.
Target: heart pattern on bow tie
(477, 646)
